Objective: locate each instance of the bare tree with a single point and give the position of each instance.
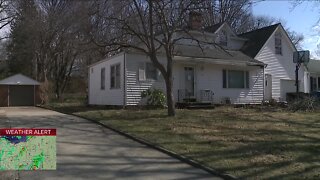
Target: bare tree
(235, 13)
(6, 14)
(296, 38)
(59, 41)
(257, 22)
(146, 26)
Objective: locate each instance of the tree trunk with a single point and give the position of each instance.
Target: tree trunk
(170, 98)
(57, 90)
(58, 96)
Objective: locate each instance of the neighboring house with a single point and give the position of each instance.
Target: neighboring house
(246, 68)
(314, 69)
(272, 46)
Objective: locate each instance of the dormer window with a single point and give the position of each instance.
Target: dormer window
(278, 45)
(223, 38)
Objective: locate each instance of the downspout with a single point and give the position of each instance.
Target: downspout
(124, 80)
(264, 82)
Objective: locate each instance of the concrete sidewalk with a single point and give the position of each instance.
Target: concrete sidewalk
(88, 151)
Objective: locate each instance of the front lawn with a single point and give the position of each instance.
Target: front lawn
(247, 143)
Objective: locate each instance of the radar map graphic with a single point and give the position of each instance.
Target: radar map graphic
(27, 149)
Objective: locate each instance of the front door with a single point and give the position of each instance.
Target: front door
(189, 81)
(268, 87)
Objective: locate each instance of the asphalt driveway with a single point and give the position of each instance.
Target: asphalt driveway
(88, 151)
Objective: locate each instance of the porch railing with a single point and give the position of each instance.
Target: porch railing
(204, 95)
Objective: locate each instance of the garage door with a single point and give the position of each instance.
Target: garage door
(21, 95)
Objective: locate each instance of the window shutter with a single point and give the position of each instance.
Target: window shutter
(102, 78)
(224, 77)
(118, 76)
(142, 72)
(247, 79)
(112, 77)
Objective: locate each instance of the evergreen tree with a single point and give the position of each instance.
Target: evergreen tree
(22, 47)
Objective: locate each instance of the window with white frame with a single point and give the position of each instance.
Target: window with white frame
(223, 38)
(147, 71)
(151, 72)
(102, 78)
(314, 84)
(278, 43)
(115, 76)
(235, 79)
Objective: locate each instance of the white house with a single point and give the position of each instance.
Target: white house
(245, 68)
(314, 69)
(272, 46)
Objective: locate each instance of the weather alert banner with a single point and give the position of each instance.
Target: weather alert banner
(28, 149)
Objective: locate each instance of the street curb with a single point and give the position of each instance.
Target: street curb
(157, 147)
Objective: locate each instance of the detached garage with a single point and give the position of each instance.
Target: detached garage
(19, 90)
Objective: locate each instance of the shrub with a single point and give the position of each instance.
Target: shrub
(307, 104)
(155, 97)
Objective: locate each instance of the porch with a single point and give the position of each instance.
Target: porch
(195, 100)
(203, 96)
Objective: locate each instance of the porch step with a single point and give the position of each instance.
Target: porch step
(201, 107)
(195, 105)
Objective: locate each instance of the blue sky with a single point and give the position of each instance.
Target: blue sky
(302, 19)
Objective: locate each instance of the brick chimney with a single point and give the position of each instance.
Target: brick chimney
(195, 20)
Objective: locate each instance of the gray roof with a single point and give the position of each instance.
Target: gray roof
(215, 52)
(314, 66)
(257, 38)
(19, 79)
(213, 28)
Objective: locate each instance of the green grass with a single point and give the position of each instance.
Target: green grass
(247, 143)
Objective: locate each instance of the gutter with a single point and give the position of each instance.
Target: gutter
(216, 61)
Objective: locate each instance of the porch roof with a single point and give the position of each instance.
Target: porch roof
(314, 66)
(214, 55)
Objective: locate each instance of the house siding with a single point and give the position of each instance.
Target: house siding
(134, 87)
(281, 67)
(108, 96)
(209, 76)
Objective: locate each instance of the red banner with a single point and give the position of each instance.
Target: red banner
(28, 132)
